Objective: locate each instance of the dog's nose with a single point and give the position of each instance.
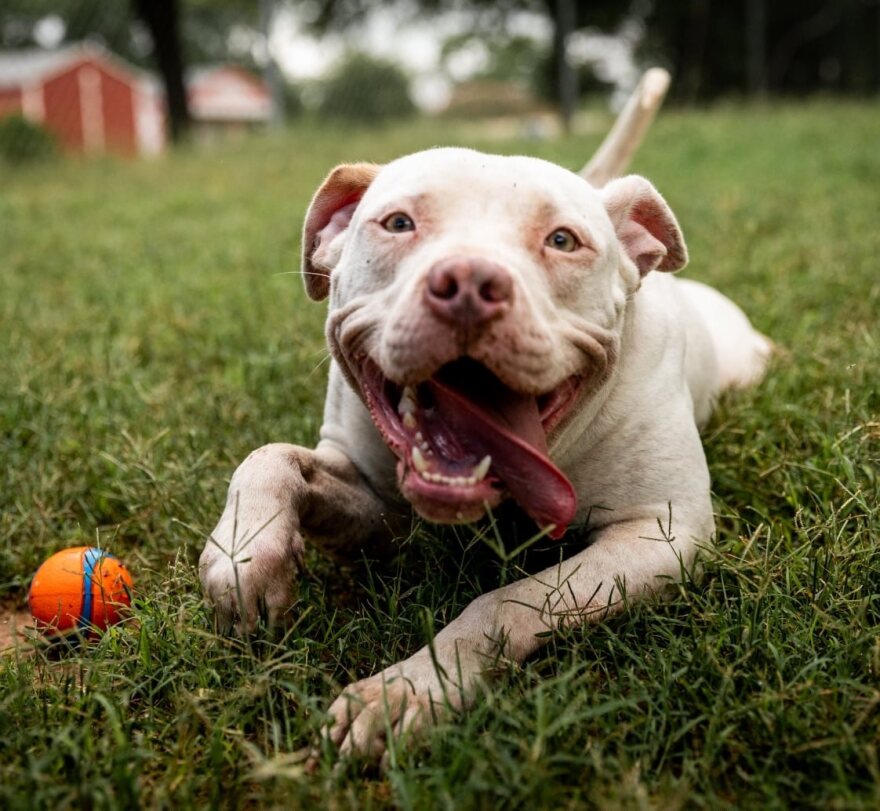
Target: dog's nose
(468, 290)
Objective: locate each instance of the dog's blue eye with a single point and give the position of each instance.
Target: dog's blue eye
(562, 240)
(398, 222)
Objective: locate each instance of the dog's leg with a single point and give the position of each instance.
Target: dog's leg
(628, 560)
(741, 352)
(279, 495)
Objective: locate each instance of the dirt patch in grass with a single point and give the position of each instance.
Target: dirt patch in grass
(13, 621)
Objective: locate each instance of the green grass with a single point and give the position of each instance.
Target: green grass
(154, 331)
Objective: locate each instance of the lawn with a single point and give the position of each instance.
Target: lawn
(154, 330)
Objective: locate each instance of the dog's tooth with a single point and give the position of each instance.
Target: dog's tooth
(419, 461)
(470, 481)
(409, 419)
(407, 404)
(480, 471)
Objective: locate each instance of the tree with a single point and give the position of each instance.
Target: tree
(367, 90)
(565, 15)
(784, 46)
(182, 34)
(82, 19)
(712, 48)
(162, 18)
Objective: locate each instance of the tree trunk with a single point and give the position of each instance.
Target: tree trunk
(695, 49)
(564, 24)
(271, 74)
(162, 19)
(756, 47)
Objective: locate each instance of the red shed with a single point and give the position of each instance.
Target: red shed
(89, 99)
(227, 98)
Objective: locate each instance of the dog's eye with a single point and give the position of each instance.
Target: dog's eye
(562, 240)
(398, 222)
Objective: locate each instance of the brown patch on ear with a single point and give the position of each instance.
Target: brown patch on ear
(328, 215)
(645, 225)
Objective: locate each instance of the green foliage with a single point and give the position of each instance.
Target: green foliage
(293, 103)
(366, 90)
(508, 57)
(155, 331)
(110, 23)
(806, 45)
(205, 27)
(24, 142)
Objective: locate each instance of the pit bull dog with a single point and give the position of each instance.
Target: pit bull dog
(501, 329)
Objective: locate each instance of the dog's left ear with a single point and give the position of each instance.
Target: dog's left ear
(328, 216)
(645, 225)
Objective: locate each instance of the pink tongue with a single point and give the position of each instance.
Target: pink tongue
(512, 434)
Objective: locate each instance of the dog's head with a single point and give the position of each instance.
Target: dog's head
(475, 300)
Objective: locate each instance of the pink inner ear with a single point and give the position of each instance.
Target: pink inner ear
(337, 224)
(641, 246)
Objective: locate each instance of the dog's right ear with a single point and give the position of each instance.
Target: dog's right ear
(328, 216)
(645, 225)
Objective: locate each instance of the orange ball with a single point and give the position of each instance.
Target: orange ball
(81, 588)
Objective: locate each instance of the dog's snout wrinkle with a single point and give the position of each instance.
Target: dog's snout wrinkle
(468, 291)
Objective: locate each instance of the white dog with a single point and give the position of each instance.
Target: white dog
(501, 329)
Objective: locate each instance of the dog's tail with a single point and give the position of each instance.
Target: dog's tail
(616, 151)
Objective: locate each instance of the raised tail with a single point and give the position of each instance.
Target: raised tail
(615, 153)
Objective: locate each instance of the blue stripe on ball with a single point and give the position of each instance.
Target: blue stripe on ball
(91, 558)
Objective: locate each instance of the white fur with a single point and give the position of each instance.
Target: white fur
(631, 450)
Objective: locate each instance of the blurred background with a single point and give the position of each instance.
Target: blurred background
(134, 78)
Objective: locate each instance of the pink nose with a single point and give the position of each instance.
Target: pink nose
(468, 290)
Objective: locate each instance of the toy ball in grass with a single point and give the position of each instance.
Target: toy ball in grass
(81, 588)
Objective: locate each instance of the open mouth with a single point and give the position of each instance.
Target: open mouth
(464, 440)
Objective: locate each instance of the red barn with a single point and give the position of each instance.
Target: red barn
(89, 99)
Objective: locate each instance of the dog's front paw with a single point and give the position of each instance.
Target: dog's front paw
(251, 579)
(401, 700)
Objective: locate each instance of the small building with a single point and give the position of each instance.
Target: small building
(93, 101)
(89, 99)
(491, 98)
(226, 98)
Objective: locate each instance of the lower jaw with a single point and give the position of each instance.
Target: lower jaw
(446, 504)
